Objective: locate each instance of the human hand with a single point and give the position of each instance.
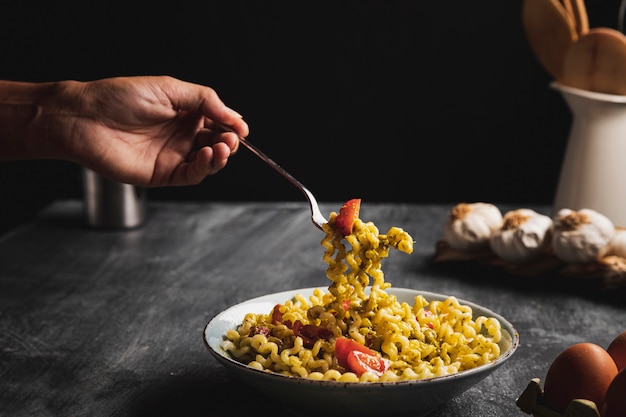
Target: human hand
(148, 130)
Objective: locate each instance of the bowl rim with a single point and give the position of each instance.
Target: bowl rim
(509, 332)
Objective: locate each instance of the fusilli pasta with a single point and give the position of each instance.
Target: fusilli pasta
(422, 340)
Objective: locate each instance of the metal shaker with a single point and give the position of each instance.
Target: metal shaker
(110, 204)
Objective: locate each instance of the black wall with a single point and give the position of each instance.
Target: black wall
(410, 100)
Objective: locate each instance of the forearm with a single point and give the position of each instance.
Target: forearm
(31, 117)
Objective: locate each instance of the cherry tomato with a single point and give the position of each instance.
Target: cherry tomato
(360, 362)
(343, 347)
(277, 316)
(348, 213)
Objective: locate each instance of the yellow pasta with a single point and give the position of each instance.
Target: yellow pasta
(418, 341)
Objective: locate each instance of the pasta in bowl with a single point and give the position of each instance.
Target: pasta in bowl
(308, 396)
(360, 346)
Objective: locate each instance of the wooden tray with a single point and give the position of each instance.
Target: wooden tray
(605, 274)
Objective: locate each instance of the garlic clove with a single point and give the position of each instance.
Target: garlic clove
(470, 225)
(617, 245)
(523, 236)
(581, 236)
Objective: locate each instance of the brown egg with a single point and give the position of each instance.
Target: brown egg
(582, 371)
(617, 350)
(615, 398)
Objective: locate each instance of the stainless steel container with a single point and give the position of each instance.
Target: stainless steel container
(111, 204)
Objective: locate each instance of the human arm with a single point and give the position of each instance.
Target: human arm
(147, 130)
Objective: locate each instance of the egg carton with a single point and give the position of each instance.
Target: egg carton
(532, 402)
(607, 273)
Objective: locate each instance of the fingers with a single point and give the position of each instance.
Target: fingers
(239, 125)
(198, 164)
(205, 100)
(208, 161)
(204, 149)
(206, 137)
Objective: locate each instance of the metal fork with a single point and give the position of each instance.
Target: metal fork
(316, 214)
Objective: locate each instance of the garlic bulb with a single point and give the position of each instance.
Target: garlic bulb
(470, 225)
(617, 245)
(523, 236)
(581, 236)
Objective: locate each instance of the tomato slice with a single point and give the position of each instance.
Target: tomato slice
(277, 316)
(348, 213)
(343, 347)
(360, 362)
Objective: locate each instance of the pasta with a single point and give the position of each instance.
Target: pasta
(422, 340)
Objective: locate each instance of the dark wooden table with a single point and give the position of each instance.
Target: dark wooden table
(109, 323)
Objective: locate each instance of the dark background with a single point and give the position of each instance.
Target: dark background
(412, 100)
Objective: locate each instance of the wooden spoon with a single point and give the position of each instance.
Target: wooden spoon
(581, 20)
(597, 62)
(550, 31)
(577, 10)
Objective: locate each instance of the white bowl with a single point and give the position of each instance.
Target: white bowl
(306, 397)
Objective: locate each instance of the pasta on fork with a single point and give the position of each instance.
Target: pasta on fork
(356, 331)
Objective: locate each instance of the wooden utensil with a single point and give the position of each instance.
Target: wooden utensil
(581, 20)
(597, 62)
(578, 11)
(550, 31)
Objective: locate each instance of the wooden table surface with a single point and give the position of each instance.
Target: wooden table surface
(109, 323)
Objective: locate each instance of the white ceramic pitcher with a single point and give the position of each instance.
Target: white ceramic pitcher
(593, 173)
